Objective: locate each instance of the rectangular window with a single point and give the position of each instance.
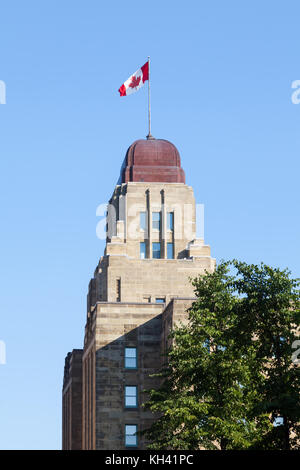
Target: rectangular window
(155, 250)
(143, 250)
(170, 250)
(130, 396)
(160, 300)
(130, 358)
(130, 435)
(143, 220)
(170, 221)
(118, 290)
(156, 220)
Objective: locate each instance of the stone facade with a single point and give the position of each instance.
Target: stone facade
(150, 277)
(140, 288)
(72, 401)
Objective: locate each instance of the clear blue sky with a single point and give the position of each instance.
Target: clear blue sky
(221, 91)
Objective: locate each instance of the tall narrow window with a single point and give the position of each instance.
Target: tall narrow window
(156, 220)
(155, 250)
(130, 358)
(170, 221)
(130, 396)
(118, 290)
(130, 435)
(143, 220)
(170, 251)
(142, 250)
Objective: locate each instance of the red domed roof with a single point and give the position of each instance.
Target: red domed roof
(153, 160)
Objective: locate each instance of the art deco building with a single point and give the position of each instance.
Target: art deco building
(140, 288)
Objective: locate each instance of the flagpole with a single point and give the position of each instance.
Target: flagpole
(149, 136)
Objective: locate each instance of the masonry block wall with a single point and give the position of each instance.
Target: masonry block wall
(140, 288)
(72, 401)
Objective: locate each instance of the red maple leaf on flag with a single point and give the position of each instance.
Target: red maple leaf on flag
(135, 82)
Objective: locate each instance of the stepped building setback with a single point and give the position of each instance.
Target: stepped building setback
(140, 288)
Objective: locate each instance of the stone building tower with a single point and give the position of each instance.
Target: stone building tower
(140, 288)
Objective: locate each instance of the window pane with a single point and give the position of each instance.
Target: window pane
(131, 391)
(156, 220)
(170, 251)
(130, 358)
(130, 396)
(130, 363)
(142, 250)
(130, 429)
(130, 437)
(131, 440)
(170, 220)
(160, 300)
(143, 221)
(130, 401)
(155, 250)
(130, 352)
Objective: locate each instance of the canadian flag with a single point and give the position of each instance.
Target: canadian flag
(136, 81)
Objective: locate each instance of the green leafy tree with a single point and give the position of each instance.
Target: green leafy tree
(217, 389)
(269, 320)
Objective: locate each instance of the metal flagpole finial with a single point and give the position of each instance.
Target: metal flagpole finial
(149, 136)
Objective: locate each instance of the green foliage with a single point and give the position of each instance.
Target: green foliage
(229, 374)
(269, 310)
